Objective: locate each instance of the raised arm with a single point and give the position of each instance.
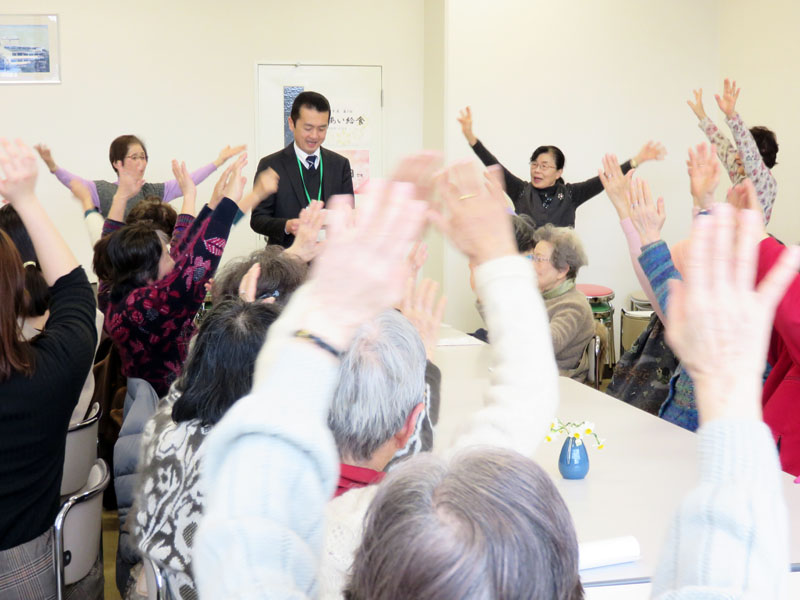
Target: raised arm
(585, 190)
(17, 186)
(514, 185)
(478, 225)
(751, 160)
(260, 460)
(725, 150)
(172, 188)
(729, 537)
(65, 176)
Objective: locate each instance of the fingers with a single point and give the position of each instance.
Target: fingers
(746, 257)
(249, 283)
(722, 248)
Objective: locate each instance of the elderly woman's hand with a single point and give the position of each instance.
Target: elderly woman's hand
(476, 221)
(616, 184)
(727, 103)
(697, 105)
(184, 179)
(465, 119)
(718, 324)
(703, 174)
(363, 267)
(306, 245)
(651, 151)
(421, 308)
(647, 216)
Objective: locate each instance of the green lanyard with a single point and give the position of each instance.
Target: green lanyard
(303, 179)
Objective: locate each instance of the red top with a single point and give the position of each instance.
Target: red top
(351, 477)
(591, 290)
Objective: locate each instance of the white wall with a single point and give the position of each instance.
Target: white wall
(184, 80)
(590, 77)
(760, 53)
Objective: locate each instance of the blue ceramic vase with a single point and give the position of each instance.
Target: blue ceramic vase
(573, 463)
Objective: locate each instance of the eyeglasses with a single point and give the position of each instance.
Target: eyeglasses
(537, 259)
(542, 167)
(138, 157)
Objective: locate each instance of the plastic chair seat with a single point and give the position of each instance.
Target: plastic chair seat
(596, 293)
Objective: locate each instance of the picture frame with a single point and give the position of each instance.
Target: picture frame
(29, 49)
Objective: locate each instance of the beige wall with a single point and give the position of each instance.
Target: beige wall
(762, 53)
(590, 77)
(185, 81)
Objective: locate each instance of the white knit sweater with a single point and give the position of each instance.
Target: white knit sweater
(518, 408)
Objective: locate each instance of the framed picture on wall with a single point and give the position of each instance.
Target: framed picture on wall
(29, 49)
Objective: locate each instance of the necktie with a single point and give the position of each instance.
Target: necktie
(311, 160)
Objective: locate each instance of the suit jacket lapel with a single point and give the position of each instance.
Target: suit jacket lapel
(290, 163)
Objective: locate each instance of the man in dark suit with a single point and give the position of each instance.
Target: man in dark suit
(307, 171)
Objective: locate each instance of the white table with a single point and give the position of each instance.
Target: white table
(634, 484)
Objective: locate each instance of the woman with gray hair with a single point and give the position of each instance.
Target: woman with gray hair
(462, 513)
(557, 257)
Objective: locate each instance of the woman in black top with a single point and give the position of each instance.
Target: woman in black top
(40, 382)
(546, 197)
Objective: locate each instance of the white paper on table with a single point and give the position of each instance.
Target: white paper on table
(610, 551)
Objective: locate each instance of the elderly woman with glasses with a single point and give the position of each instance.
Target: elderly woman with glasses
(557, 256)
(546, 197)
(128, 154)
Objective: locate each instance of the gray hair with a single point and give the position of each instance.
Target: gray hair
(489, 525)
(381, 380)
(281, 274)
(567, 248)
(524, 232)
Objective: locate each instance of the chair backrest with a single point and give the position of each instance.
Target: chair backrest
(80, 452)
(156, 581)
(631, 324)
(595, 353)
(78, 528)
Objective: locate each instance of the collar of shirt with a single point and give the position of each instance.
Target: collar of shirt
(303, 156)
(352, 477)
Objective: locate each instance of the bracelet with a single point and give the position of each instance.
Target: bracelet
(307, 335)
(634, 163)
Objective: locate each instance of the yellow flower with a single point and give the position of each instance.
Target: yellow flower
(548, 438)
(577, 435)
(588, 428)
(601, 446)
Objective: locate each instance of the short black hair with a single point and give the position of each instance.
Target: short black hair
(220, 365)
(128, 258)
(312, 100)
(558, 155)
(524, 230)
(767, 145)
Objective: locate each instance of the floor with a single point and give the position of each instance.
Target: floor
(110, 539)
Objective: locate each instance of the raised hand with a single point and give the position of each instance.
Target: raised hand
(647, 216)
(183, 178)
(476, 220)
(743, 197)
(465, 119)
(228, 152)
(363, 268)
(305, 245)
(704, 173)
(129, 185)
(616, 185)
(651, 151)
(417, 257)
(266, 183)
(718, 323)
(727, 103)
(219, 187)
(697, 105)
(47, 157)
(17, 172)
(421, 308)
(234, 187)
